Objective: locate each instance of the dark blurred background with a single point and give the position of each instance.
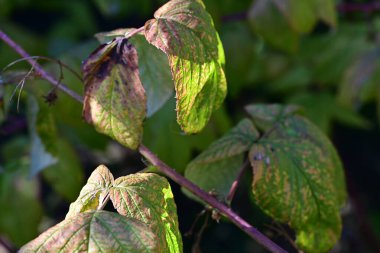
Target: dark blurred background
(329, 67)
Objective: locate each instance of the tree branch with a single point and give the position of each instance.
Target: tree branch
(359, 7)
(4, 37)
(212, 201)
(169, 172)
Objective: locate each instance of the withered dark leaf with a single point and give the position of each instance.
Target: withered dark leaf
(115, 100)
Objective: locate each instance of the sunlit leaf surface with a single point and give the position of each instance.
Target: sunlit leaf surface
(94, 193)
(148, 198)
(98, 231)
(298, 179)
(185, 32)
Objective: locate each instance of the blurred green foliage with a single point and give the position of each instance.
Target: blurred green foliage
(329, 66)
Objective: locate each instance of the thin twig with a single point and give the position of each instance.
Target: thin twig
(192, 228)
(198, 237)
(38, 67)
(235, 184)
(20, 86)
(134, 32)
(36, 57)
(280, 230)
(105, 201)
(169, 172)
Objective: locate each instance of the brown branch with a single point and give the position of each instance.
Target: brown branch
(40, 71)
(198, 237)
(280, 230)
(211, 200)
(169, 172)
(359, 7)
(61, 64)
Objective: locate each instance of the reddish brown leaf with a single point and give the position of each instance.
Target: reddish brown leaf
(115, 99)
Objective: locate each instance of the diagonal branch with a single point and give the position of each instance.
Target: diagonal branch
(359, 7)
(169, 172)
(4, 37)
(211, 200)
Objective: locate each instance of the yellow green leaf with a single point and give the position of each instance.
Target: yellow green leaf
(148, 197)
(94, 193)
(298, 179)
(185, 32)
(95, 231)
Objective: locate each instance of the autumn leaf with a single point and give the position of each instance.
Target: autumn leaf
(185, 32)
(298, 179)
(96, 231)
(115, 99)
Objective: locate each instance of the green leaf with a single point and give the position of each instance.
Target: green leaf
(217, 167)
(320, 236)
(298, 179)
(266, 115)
(148, 198)
(21, 211)
(326, 11)
(300, 14)
(297, 78)
(154, 73)
(321, 52)
(185, 32)
(50, 153)
(322, 109)
(94, 193)
(268, 21)
(281, 22)
(66, 176)
(239, 65)
(43, 133)
(115, 99)
(118, 8)
(98, 231)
